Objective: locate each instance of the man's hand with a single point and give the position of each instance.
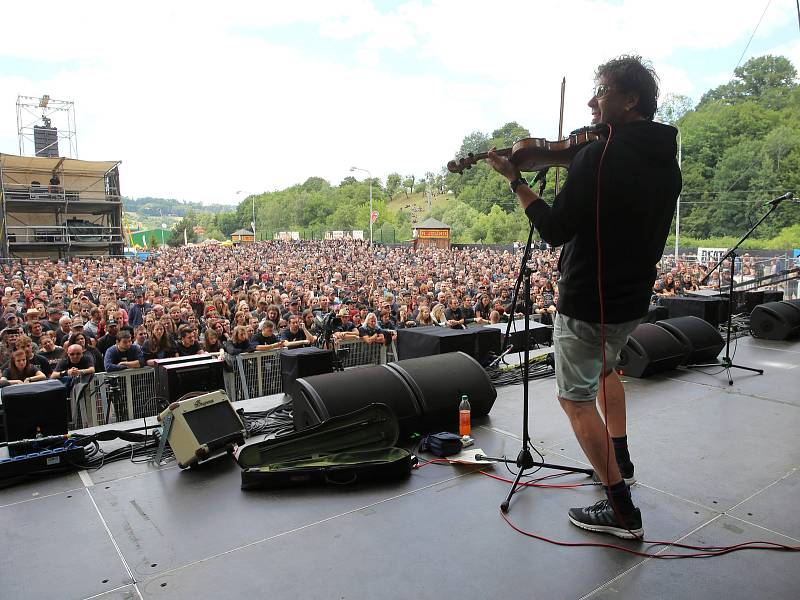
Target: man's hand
(502, 165)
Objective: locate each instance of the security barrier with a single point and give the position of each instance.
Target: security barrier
(133, 394)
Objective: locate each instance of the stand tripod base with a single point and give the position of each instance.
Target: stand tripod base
(524, 462)
(727, 364)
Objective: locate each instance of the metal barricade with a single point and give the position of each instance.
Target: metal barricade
(130, 393)
(261, 372)
(361, 353)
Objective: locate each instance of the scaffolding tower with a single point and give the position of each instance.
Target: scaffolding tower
(47, 126)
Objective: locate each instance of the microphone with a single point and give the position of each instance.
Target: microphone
(779, 199)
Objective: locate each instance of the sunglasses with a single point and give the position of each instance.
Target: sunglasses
(600, 90)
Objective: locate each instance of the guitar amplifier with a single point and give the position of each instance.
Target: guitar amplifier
(201, 428)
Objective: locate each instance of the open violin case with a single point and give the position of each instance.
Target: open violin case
(354, 447)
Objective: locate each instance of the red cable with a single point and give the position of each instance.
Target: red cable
(704, 551)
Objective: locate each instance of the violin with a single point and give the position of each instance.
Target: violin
(536, 154)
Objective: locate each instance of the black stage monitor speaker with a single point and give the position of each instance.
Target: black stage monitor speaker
(173, 381)
(702, 341)
(417, 342)
(714, 310)
(775, 321)
(303, 362)
(35, 408)
(440, 381)
(650, 349)
(540, 333)
(320, 397)
(424, 393)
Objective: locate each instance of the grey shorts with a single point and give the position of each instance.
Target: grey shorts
(578, 358)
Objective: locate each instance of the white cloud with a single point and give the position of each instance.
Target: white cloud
(200, 100)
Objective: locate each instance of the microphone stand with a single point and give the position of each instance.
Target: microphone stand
(726, 362)
(541, 178)
(524, 460)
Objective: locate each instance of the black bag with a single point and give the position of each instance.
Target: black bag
(357, 446)
(441, 444)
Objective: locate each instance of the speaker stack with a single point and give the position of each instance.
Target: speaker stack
(303, 362)
(776, 320)
(657, 347)
(478, 342)
(712, 309)
(424, 393)
(39, 408)
(702, 341)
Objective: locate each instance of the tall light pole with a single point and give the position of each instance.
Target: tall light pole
(370, 199)
(678, 207)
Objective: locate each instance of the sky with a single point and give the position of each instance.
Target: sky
(210, 101)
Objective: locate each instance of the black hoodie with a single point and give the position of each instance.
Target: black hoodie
(639, 186)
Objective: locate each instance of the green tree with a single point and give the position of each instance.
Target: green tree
(186, 224)
(771, 76)
(672, 108)
(507, 135)
(393, 182)
(408, 184)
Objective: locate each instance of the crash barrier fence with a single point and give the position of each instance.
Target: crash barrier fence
(133, 394)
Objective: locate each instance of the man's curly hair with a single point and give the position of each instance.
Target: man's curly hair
(630, 73)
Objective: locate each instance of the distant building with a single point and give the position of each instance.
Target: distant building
(431, 233)
(242, 235)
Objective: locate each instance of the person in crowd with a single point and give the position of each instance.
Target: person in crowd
(438, 316)
(74, 366)
(110, 337)
(483, 308)
(89, 350)
(158, 345)
(138, 309)
(31, 352)
(35, 332)
(240, 341)
(187, 341)
(265, 338)
(52, 352)
(597, 299)
(370, 332)
(346, 330)
(8, 342)
(123, 354)
(424, 318)
(20, 370)
(454, 314)
(92, 326)
(211, 341)
(140, 335)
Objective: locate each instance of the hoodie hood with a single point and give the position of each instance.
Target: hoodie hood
(655, 142)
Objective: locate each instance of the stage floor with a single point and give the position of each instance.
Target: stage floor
(716, 465)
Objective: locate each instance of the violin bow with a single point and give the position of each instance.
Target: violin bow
(560, 127)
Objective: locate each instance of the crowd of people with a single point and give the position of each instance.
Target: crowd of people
(76, 317)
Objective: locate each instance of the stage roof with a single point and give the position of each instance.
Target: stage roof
(40, 164)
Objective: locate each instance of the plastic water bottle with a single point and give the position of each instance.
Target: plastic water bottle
(464, 410)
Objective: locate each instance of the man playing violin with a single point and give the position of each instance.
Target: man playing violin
(615, 209)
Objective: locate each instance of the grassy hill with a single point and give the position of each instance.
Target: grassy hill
(416, 204)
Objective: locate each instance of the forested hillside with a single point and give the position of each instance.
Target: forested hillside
(740, 146)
